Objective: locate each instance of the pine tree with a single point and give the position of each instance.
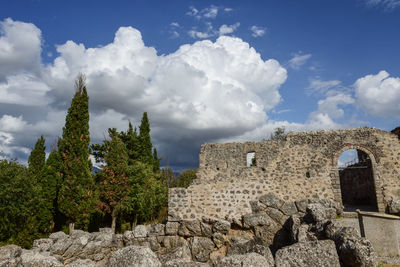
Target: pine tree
(131, 140)
(37, 159)
(113, 181)
(145, 146)
(76, 192)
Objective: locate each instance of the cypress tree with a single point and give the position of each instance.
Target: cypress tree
(131, 141)
(76, 192)
(113, 182)
(37, 159)
(156, 161)
(145, 146)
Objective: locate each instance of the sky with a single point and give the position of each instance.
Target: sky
(205, 71)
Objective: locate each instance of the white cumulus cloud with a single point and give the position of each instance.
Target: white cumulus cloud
(226, 29)
(379, 94)
(257, 31)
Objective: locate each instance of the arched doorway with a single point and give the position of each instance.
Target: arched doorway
(357, 183)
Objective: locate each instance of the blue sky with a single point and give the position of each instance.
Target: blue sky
(206, 71)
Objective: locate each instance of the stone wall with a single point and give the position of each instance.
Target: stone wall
(303, 166)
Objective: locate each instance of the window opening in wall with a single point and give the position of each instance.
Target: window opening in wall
(357, 181)
(251, 159)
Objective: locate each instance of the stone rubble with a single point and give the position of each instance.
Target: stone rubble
(276, 233)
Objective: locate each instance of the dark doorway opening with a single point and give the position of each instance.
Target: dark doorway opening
(357, 181)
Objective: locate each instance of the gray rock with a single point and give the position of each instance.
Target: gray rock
(43, 244)
(206, 229)
(134, 256)
(270, 200)
(265, 234)
(289, 208)
(171, 228)
(182, 254)
(61, 245)
(219, 239)
(81, 239)
(394, 207)
(58, 235)
(31, 258)
(258, 219)
(118, 241)
(319, 213)
(315, 253)
(222, 226)
(257, 206)
(9, 255)
(293, 225)
(157, 229)
(245, 260)
(172, 242)
(81, 263)
(277, 215)
(184, 263)
(189, 228)
(240, 244)
(140, 231)
(301, 205)
(357, 252)
(201, 248)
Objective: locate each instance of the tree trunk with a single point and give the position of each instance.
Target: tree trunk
(113, 222)
(71, 228)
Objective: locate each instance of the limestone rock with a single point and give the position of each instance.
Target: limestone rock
(31, 258)
(319, 213)
(58, 235)
(179, 253)
(201, 248)
(270, 200)
(221, 226)
(171, 228)
(9, 255)
(257, 219)
(315, 253)
(289, 208)
(277, 215)
(81, 263)
(43, 244)
(157, 229)
(134, 256)
(301, 205)
(219, 239)
(245, 260)
(206, 229)
(140, 231)
(240, 245)
(189, 228)
(184, 263)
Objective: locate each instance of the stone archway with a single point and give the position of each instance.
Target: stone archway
(348, 185)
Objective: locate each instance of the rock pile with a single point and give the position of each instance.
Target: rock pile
(301, 233)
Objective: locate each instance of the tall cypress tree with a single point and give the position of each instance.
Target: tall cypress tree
(76, 192)
(145, 146)
(131, 141)
(37, 159)
(156, 161)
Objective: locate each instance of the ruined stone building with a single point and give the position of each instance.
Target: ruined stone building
(303, 166)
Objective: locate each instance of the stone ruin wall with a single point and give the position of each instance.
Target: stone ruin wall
(304, 166)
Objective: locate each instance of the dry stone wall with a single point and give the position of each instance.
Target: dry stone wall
(304, 166)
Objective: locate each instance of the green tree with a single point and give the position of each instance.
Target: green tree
(37, 159)
(76, 192)
(147, 194)
(112, 180)
(19, 204)
(145, 145)
(50, 183)
(185, 178)
(156, 161)
(132, 143)
(279, 134)
(168, 177)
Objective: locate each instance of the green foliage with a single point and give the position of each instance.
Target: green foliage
(168, 177)
(279, 134)
(19, 205)
(253, 161)
(185, 178)
(156, 161)
(76, 192)
(112, 180)
(147, 194)
(37, 159)
(145, 145)
(132, 143)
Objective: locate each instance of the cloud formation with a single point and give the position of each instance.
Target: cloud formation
(202, 92)
(298, 60)
(379, 94)
(387, 5)
(257, 31)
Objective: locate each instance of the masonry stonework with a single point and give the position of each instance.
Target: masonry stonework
(304, 166)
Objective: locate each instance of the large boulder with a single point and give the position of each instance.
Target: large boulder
(271, 200)
(190, 228)
(357, 252)
(315, 253)
(320, 213)
(43, 244)
(245, 260)
(134, 256)
(140, 231)
(10, 255)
